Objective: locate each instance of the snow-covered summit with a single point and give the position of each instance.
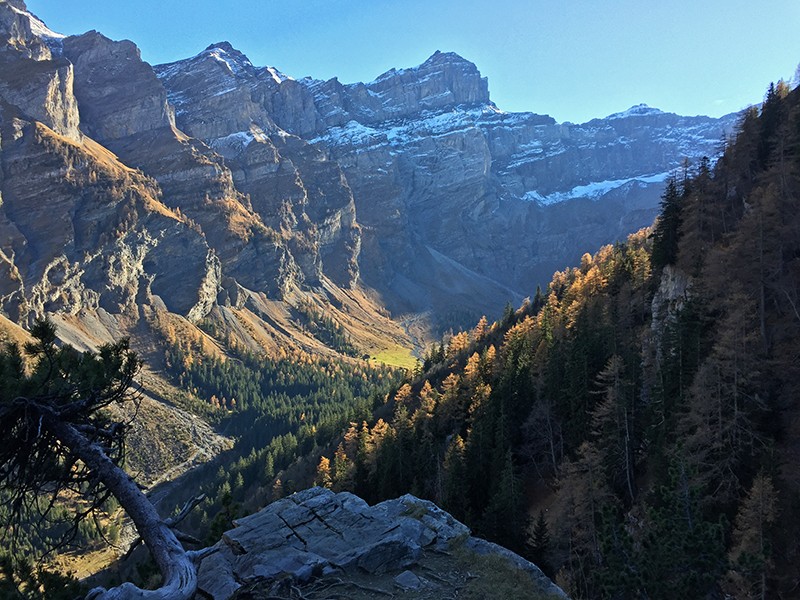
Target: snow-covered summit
(638, 110)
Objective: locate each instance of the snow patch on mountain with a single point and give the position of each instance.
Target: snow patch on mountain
(233, 144)
(400, 132)
(38, 28)
(593, 190)
(277, 76)
(234, 61)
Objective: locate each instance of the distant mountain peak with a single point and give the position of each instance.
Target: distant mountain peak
(436, 60)
(443, 81)
(223, 45)
(637, 110)
(35, 24)
(439, 57)
(235, 60)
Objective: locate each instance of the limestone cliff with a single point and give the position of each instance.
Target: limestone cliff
(460, 204)
(219, 97)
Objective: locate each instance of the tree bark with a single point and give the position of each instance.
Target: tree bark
(175, 563)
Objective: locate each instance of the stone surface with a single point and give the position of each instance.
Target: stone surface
(409, 581)
(317, 532)
(118, 93)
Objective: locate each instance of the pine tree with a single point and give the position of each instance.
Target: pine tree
(223, 521)
(613, 426)
(682, 555)
(455, 488)
(504, 519)
(667, 228)
(342, 470)
(539, 545)
(58, 439)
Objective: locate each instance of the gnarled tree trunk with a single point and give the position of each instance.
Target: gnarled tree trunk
(175, 563)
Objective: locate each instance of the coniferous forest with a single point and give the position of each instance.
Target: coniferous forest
(633, 429)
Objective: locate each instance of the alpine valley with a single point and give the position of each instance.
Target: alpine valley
(282, 253)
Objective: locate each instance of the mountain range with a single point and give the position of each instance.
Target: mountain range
(212, 189)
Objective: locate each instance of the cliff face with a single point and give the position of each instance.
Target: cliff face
(507, 197)
(100, 240)
(293, 188)
(460, 203)
(118, 93)
(137, 212)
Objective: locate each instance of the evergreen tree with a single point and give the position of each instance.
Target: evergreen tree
(342, 471)
(667, 228)
(505, 519)
(455, 489)
(223, 521)
(613, 427)
(539, 545)
(682, 555)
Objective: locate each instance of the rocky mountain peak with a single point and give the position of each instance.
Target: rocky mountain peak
(33, 75)
(225, 46)
(444, 80)
(118, 93)
(454, 58)
(638, 110)
(231, 59)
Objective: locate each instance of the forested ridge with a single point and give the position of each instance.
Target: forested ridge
(634, 428)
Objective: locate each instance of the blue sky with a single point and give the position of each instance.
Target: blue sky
(572, 59)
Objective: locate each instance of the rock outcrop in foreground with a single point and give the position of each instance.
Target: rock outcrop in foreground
(317, 540)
